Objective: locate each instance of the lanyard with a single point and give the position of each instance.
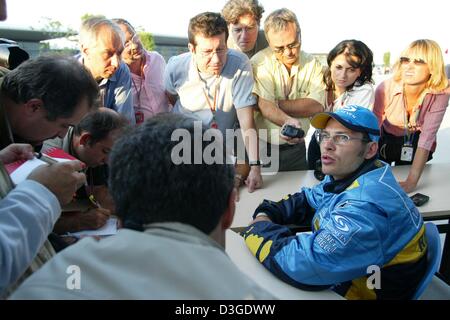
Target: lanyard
(141, 84)
(212, 104)
(138, 91)
(407, 137)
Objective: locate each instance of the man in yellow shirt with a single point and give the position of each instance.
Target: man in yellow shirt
(288, 83)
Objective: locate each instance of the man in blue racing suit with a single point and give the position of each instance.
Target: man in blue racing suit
(367, 238)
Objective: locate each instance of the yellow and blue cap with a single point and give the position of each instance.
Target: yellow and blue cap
(353, 117)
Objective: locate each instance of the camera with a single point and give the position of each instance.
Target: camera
(419, 199)
(11, 55)
(292, 132)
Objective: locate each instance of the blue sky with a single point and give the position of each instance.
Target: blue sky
(384, 25)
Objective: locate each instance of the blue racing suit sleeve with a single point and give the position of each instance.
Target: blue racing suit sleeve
(341, 249)
(293, 209)
(275, 237)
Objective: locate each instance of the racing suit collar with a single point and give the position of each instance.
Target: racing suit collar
(338, 186)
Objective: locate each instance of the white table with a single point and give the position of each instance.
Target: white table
(248, 264)
(435, 182)
(275, 188)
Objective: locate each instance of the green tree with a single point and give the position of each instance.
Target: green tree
(54, 29)
(147, 40)
(387, 59)
(86, 16)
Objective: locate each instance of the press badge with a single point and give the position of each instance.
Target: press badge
(139, 117)
(407, 153)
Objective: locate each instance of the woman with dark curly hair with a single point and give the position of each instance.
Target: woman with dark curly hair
(348, 81)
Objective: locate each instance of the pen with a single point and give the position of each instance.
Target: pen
(50, 160)
(45, 158)
(94, 202)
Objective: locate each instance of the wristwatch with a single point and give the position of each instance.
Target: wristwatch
(254, 163)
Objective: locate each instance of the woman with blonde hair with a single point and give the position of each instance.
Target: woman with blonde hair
(410, 107)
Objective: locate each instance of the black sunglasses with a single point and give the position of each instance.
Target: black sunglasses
(417, 62)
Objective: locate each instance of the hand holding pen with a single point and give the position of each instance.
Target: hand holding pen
(62, 178)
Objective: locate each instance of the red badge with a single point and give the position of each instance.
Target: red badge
(139, 117)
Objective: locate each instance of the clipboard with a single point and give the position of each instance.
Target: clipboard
(19, 170)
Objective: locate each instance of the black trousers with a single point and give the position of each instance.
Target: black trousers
(390, 147)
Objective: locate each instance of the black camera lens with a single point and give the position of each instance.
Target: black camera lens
(11, 55)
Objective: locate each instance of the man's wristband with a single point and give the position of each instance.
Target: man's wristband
(254, 163)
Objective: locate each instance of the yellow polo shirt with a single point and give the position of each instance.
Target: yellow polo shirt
(273, 82)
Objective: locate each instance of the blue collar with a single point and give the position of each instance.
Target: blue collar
(338, 186)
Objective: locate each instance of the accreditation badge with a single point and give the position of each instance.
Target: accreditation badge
(407, 153)
(139, 117)
(213, 123)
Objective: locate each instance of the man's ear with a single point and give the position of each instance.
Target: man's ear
(228, 215)
(84, 50)
(191, 48)
(33, 105)
(372, 149)
(85, 138)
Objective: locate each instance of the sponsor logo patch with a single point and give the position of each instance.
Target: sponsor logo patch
(326, 241)
(342, 228)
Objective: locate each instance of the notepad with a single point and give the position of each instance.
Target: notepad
(21, 169)
(108, 229)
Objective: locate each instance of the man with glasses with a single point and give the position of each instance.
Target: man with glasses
(214, 85)
(362, 221)
(288, 83)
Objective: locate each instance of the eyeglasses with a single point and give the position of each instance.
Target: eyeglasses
(210, 53)
(417, 62)
(292, 46)
(338, 139)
